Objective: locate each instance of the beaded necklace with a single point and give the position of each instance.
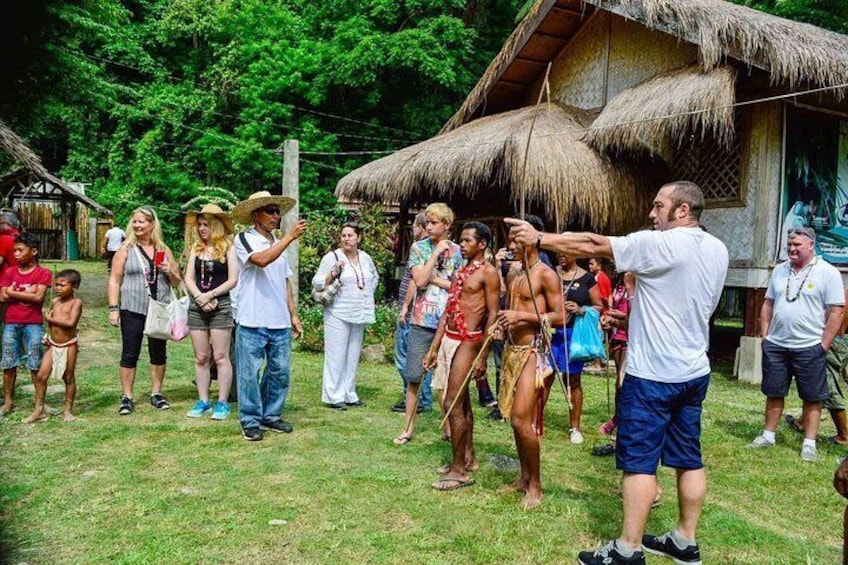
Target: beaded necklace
(360, 275)
(809, 269)
(150, 275)
(206, 281)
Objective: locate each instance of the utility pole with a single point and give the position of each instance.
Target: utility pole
(291, 188)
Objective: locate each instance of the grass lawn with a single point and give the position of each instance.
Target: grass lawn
(161, 488)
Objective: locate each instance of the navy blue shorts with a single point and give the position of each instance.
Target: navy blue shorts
(659, 422)
(807, 365)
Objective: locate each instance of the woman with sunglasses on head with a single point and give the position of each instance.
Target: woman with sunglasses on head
(345, 318)
(211, 273)
(143, 268)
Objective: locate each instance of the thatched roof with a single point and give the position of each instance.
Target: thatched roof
(563, 174)
(789, 51)
(649, 116)
(14, 146)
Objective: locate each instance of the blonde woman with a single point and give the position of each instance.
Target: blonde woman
(142, 268)
(211, 273)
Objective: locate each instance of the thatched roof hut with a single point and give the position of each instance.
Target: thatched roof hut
(485, 158)
(788, 51)
(48, 185)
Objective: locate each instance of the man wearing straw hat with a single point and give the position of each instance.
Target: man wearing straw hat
(267, 313)
(680, 271)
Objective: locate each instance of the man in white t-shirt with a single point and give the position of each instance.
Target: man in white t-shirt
(680, 271)
(115, 236)
(267, 314)
(800, 317)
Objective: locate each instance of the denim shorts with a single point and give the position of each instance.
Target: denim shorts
(659, 422)
(807, 365)
(418, 343)
(27, 335)
(219, 319)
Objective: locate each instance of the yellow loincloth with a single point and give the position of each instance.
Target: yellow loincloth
(514, 359)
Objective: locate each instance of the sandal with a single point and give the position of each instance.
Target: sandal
(402, 440)
(127, 406)
(158, 401)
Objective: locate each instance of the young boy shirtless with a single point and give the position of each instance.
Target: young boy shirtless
(526, 368)
(61, 357)
(472, 306)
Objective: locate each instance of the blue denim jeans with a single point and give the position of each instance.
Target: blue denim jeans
(262, 397)
(28, 335)
(425, 394)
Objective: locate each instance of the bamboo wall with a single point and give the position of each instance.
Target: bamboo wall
(584, 76)
(46, 220)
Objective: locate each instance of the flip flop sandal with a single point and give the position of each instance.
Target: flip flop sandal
(452, 484)
(158, 401)
(401, 440)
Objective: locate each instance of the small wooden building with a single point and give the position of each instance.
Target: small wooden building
(48, 207)
(750, 106)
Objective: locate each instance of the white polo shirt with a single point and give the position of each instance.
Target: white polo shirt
(800, 324)
(680, 274)
(262, 293)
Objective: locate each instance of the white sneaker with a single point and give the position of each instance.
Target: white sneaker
(760, 442)
(576, 436)
(809, 453)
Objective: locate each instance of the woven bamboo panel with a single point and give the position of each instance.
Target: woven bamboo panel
(577, 75)
(45, 220)
(638, 53)
(711, 166)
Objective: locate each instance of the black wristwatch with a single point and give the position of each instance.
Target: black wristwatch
(539, 242)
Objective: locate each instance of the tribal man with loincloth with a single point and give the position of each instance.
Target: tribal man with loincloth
(471, 313)
(526, 371)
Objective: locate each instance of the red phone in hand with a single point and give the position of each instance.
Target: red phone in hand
(159, 258)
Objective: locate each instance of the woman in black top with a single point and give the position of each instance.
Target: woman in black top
(580, 291)
(211, 273)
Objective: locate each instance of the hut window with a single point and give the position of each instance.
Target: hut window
(713, 166)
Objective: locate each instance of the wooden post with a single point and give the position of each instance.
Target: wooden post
(291, 188)
(754, 298)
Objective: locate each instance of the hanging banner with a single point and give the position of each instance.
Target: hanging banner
(816, 182)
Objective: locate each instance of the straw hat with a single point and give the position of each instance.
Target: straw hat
(242, 213)
(212, 210)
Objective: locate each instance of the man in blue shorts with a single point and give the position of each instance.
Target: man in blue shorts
(680, 271)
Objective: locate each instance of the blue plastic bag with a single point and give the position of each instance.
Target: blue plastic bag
(587, 342)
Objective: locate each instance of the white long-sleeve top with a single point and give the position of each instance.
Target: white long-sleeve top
(352, 304)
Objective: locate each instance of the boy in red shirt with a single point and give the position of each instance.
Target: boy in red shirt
(22, 288)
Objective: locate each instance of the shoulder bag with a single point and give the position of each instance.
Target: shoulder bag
(326, 295)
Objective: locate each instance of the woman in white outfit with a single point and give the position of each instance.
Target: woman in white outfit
(346, 317)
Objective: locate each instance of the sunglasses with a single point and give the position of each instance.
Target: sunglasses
(271, 210)
(799, 231)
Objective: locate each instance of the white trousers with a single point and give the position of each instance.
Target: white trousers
(342, 347)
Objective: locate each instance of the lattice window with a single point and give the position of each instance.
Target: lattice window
(712, 166)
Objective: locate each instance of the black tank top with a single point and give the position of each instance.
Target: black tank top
(210, 274)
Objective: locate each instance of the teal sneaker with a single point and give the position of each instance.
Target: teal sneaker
(200, 408)
(222, 410)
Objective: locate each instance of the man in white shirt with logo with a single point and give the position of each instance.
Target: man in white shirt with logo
(800, 317)
(267, 314)
(680, 271)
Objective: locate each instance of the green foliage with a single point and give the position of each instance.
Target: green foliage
(829, 14)
(150, 100)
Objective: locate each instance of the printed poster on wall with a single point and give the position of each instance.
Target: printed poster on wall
(816, 182)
